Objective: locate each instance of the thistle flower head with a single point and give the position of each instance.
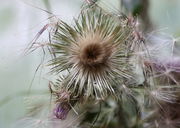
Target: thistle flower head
(95, 53)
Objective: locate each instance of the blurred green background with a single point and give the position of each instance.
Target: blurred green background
(19, 23)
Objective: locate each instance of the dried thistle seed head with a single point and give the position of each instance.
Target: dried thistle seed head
(95, 52)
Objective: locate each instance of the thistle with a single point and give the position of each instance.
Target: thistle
(94, 52)
(95, 60)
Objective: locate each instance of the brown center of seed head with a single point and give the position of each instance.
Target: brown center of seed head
(94, 54)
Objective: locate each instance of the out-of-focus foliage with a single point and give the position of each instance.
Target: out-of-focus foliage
(6, 18)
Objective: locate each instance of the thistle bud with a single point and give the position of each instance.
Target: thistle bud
(61, 110)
